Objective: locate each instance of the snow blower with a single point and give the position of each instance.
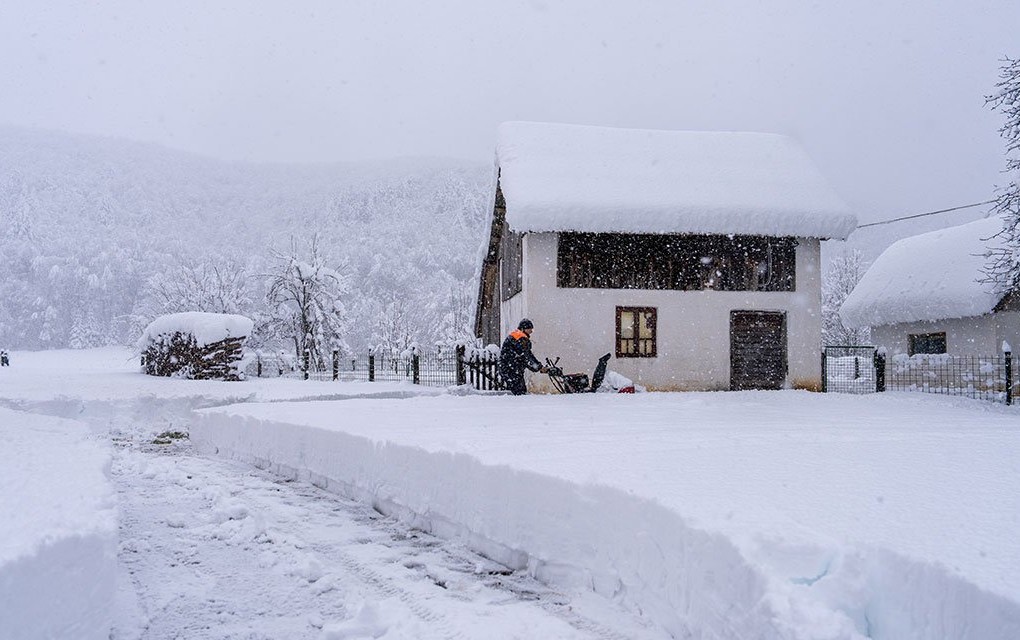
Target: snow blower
(576, 382)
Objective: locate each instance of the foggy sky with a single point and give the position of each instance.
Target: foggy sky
(887, 97)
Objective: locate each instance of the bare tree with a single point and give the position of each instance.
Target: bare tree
(306, 299)
(397, 323)
(215, 287)
(1003, 268)
(458, 320)
(843, 274)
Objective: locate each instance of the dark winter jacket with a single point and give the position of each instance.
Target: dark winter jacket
(515, 355)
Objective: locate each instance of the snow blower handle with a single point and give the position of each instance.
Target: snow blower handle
(551, 368)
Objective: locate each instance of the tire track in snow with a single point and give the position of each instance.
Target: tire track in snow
(385, 587)
(192, 533)
(520, 586)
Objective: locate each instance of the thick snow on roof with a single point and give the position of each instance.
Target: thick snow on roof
(206, 327)
(558, 177)
(930, 276)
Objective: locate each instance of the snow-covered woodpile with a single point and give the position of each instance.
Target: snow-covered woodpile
(195, 345)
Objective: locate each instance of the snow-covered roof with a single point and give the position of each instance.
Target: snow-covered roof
(206, 327)
(930, 276)
(558, 177)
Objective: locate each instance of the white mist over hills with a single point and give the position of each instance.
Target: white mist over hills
(88, 224)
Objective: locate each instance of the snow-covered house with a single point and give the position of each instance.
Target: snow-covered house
(925, 294)
(692, 257)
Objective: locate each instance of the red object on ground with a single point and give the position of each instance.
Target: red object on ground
(626, 390)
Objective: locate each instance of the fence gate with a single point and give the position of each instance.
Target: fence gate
(479, 369)
(849, 369)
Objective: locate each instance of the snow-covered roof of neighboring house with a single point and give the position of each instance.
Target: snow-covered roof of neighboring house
(931, 276)
(558, 177)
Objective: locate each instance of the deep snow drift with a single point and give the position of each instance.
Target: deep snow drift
(713, 515)
(58, 529)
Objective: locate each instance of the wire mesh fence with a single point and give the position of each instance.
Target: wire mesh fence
(849, 369)
(863, 369)
(980, 377)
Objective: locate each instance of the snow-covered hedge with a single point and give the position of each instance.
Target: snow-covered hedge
(58, 530)
(195, 345)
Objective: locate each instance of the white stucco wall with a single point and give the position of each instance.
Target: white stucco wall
(579, 325)
(976, 336)
(511, 313)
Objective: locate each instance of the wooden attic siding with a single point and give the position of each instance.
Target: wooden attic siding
(1009, 302)
(487, 306)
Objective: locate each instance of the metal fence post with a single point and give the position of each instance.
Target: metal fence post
(336, 364)
(415, 368)
(304, 364)
(461, 378)
(825, 372)
(879, 370)
(371, 367)
(258, 366)
(1009, 377)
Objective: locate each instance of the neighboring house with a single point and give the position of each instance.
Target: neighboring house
(925, 294)
(692, 257)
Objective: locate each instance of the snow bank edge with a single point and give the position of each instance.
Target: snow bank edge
(630, 550)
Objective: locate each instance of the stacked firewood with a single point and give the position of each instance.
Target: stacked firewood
(179, 354)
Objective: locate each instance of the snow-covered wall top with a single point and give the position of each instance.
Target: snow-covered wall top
(930, 276)
(558, 177)
(206, 327)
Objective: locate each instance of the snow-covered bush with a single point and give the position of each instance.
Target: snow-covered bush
(195, 345)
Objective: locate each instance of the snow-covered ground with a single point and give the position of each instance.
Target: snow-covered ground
(711, 515)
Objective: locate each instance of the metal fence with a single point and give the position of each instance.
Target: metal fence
(863, 369)
(980, 377)
(849, 369)
(441, 367)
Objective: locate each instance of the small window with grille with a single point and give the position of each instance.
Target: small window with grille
(635, 332)
(927, 343)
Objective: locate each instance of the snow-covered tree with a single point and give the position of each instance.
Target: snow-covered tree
(306, 302)
(1004, 266)
(457, 323)
(214, 286)
(842, 275)
(18, 205)
(94, 235)
(396, 326)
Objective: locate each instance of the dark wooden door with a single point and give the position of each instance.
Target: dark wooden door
(757, 350)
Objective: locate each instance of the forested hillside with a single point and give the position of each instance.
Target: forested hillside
(97, 236)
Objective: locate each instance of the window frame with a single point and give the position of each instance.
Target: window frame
(654, 339)
(914, 340)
